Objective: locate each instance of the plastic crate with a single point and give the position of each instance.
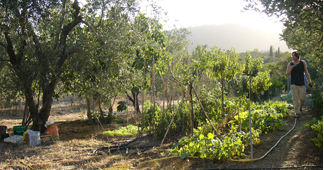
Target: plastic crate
(19, 130)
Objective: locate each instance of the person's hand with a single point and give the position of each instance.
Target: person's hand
(292, 66)
(310, 85)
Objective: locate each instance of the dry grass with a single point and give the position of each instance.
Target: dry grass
(77, 145)
(72, 154)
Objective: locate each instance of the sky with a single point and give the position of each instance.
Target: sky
(189, 13)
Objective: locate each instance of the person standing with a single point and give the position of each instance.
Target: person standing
(296, 70)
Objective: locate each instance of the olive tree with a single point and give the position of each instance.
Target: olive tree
(38, 37)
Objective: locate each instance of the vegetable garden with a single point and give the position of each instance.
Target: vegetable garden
(219, 102)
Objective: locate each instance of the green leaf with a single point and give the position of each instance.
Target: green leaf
(201, 136)
(210, 136)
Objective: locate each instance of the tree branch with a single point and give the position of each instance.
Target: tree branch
(3, 45)
(77, 19)
(66, 29)
(23, 23)
(60, 24)
(10, 49)
(130, 98)
(3, 60)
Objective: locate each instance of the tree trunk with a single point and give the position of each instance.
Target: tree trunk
(40, 118)
(182, 114)
(89, 115)
(164, 96)
(222, 95)
(134, 100)
(171, 90)
(165, 83)
(197, 84)
(26, 115)
(101, 111)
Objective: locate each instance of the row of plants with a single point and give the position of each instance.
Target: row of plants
(156, 119)
(232, 145)
(265, 118)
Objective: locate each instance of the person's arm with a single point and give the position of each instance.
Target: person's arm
(289, 69)
(306, 73)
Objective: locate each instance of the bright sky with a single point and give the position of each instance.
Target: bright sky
(186, 13)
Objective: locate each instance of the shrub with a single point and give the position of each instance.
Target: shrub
(317, 97)
(317, 126)
(157, 122)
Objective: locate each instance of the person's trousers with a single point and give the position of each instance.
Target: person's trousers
(298, 93)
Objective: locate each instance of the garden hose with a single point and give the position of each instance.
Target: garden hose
(195, 157)
(250, 160)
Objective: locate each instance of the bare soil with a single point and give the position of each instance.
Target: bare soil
(82, 146)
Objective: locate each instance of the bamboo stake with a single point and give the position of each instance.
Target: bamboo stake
(153, 82)
(171, 123)
(171, 90)
(250, 119)
(143, 85)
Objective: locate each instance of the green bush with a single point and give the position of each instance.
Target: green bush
(156, 121)
(317, 126)
(317, 97)
(211, 101)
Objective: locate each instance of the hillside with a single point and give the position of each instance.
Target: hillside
(241, 37)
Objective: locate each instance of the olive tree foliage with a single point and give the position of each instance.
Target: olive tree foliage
(149, 55)
(40, 40)
(303, 21)
(102, 72)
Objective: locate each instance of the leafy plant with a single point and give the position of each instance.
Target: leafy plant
(206, 147)
(121, 106)
(317, 126)
(267, 117)
(123, 131)
(153, 121)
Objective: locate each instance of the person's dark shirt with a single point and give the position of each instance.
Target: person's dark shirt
(297, 74)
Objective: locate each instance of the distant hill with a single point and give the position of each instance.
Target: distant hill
(241, 37)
